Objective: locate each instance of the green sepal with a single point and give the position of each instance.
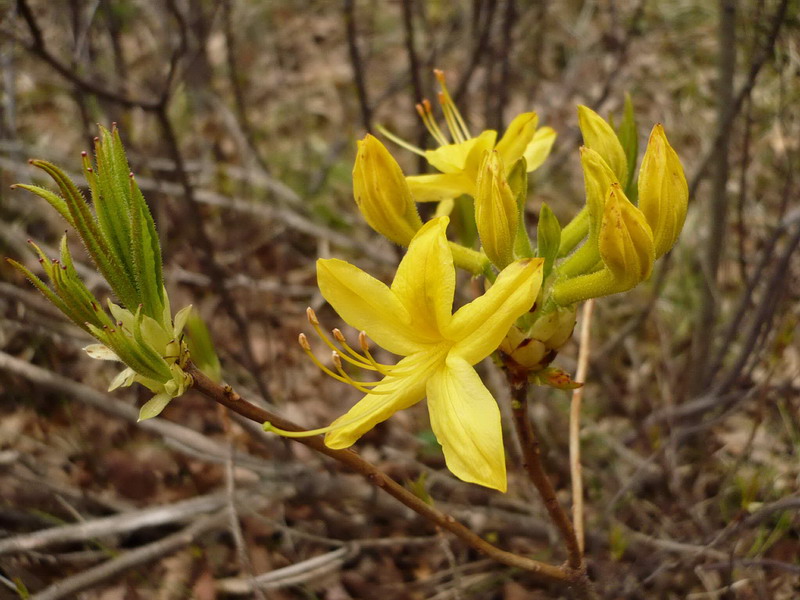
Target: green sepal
(46, 291)
(574, 232)
(548, 238)
(518, 182)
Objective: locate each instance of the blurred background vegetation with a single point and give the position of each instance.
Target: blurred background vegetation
(241, 118)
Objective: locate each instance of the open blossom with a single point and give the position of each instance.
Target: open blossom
(414, 319)
(459, 159)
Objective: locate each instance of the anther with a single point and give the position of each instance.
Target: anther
(84, 154)
(363, 341)
(303, 340)
(312, 316)
(337, 361)
(337, 334)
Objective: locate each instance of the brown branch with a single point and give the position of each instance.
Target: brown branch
(224, 395)
(531, 455)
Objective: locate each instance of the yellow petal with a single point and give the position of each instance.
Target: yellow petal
(479, 327)
(517, 137)
(395, 392)
(439, 186)
(452, 158)
(367, 304)
(663, 192)
(466, 421)
(600, 137)
(425, 280)
(539, 148)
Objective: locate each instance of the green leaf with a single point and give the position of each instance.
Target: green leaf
(146, 256)
(629, 138)
(55, 200)
(112, 202)
(548, 237)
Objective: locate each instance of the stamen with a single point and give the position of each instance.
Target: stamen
(456, 113)
(348, 380)
(426, 113)
(360, 361)
(337, 362)
(452, 125)
(379, 367)
(399, 141)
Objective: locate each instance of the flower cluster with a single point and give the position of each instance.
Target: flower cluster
(528, 311)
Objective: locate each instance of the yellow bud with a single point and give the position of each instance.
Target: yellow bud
(663, 192)
(626, 241)
(382, 194)
(600, 137)
(626, 249)
(597, 179)
(496, 212)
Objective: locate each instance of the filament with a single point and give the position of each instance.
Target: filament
(400, 141)
(426, 113)
(452, 125)
(445, 97)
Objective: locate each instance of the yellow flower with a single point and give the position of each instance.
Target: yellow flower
(459, 160)
(413, 318)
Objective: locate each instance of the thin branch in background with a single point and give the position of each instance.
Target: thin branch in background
(539, 43)
(575, 423)
(482, 21)
(357, 64)
(416, 78)
(741, 200)
(504, 46)
(239, 104)
(205, 245)
(717, 207)
(71, 586)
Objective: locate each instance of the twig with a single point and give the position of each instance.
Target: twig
(178, 512)
(69, 587)
(718, 210)
(356, 63)
(531, 455)
(227, 397)
(295, 574)
(575, 425)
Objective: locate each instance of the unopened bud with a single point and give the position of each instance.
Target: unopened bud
(663, 192)
(382, 194)
(600, 137)
(496, 211)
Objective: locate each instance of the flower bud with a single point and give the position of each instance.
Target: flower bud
(663, 192)
(626, 249)
(382, 194)
(496, 211)
(600, 137)
(626, 241)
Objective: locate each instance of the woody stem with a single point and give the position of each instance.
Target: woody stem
(532, 462)
(568, 576)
